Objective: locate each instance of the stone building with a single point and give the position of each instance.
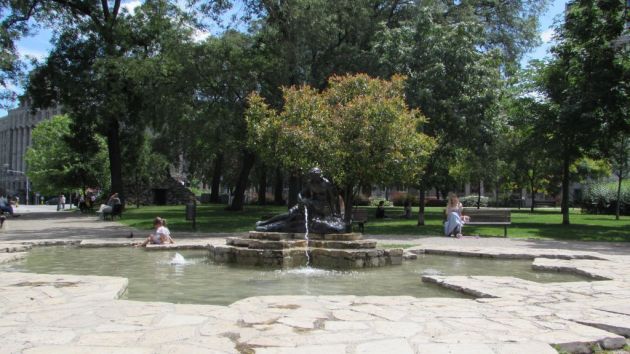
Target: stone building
(15, 137)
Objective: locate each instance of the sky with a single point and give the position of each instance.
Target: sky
(38, 45)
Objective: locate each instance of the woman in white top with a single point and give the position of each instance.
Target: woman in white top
(454, 218)
(161, 235)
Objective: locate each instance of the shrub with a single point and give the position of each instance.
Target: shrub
(375, 201)
(471, 201)
(602, 198)
(432, 202)
(399, 198)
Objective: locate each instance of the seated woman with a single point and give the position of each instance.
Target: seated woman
(161, 235)
(109, 206)
(454, 218)
(5, 206)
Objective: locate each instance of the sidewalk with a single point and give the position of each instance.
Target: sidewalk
(79, 314)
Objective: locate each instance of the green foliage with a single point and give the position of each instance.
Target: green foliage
(605, 194)
(539, 224)
(471, 201)
(358, 130)
(53, 164)
(375, 201)
(587, 81)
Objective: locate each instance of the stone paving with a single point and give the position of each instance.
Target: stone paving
(78, 314)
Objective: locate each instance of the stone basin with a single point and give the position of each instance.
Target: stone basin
(285, 250)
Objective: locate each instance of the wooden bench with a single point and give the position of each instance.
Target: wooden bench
(489, 216)
(116, 211)
(359, 217)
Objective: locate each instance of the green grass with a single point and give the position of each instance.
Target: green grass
(544, 223)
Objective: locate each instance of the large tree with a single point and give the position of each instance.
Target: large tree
(588, 78)
(111, 68)
(358, 130)
(57, 160)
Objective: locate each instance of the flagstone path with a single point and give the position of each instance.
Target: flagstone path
(83, 314)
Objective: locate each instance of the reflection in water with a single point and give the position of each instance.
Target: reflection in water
(164, 276)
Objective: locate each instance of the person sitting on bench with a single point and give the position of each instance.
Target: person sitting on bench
(109, 206)
(5, 206)
(454, 218)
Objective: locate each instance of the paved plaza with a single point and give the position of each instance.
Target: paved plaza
(83, 314)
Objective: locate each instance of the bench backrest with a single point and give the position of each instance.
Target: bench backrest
(117, 209)
(359, 215)
(488, 214)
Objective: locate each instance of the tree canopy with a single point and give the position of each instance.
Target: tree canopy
(358, 130)
(57, 162)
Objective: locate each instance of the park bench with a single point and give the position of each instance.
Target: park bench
(359, 217)
(116, 211)
(489, 216)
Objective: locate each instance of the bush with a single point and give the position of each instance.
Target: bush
(471, 201)
(399, 199)
(602, 198)
(376, 201)
(432, 202)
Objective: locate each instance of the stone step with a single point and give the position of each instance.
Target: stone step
(319, 257)
(277, 236)
(364, 244)
(292, 243)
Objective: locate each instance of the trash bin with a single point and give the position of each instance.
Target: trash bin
(191, 211)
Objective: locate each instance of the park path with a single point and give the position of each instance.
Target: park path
(77, 314)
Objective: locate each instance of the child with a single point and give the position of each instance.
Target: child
(161, 235)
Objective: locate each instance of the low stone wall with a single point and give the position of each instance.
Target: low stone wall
(290, 250)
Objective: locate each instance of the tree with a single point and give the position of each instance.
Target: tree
(589, 82)
(621, 166)
(86, 71)
(452, 80)
(358, 131)
(528, 147)
(54, 162)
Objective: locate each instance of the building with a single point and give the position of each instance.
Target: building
(16, 130)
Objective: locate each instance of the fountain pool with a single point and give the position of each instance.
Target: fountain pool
(163, 276)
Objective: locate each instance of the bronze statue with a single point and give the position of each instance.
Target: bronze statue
(320, 199)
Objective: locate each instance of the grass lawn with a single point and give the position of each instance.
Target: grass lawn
(543, 223)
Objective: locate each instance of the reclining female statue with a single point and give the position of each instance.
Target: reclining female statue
(320, 200)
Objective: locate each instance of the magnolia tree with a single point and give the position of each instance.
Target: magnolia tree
(359, 131)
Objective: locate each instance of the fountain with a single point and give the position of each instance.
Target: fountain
(310, 233)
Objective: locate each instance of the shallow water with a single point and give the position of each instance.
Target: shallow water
(163, 276)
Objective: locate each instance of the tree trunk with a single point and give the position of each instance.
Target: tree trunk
(533, 199)
(217, 170)
(348, 204)
(421, 208)
(241, 185)
(294, 189)
(278, 188)
(262, 186)
(617, 208)
(531, 188)
(479, 194)
(622, 162)
(565, 190)
(115, 160)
